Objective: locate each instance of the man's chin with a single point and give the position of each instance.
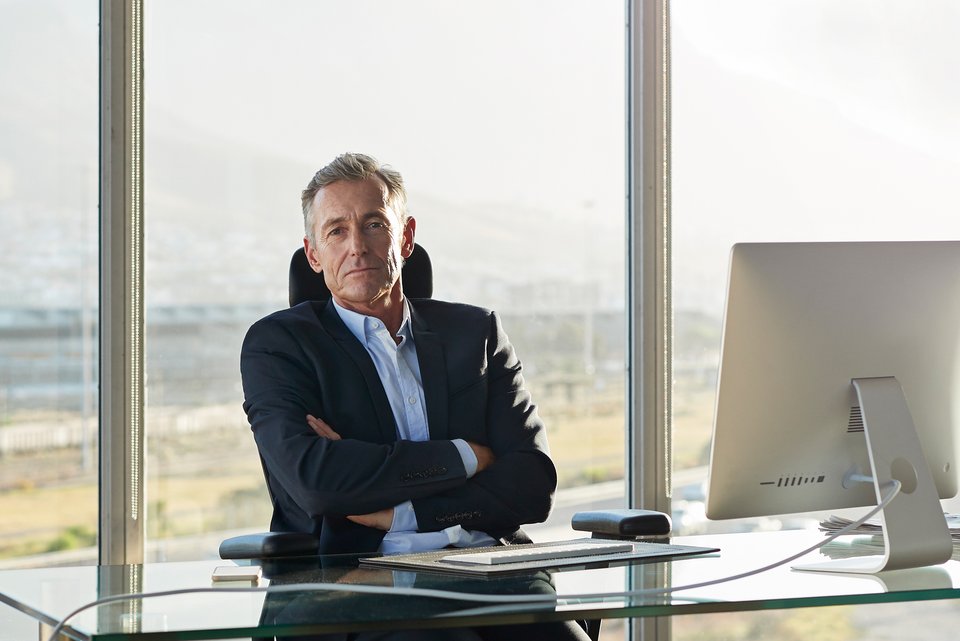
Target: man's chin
(364, 299)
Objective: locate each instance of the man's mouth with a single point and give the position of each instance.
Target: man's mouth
(360, 270)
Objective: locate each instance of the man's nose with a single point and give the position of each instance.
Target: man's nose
(358, 244)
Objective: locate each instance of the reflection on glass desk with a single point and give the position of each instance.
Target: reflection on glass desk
(48, 594)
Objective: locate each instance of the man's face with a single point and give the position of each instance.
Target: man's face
(358, 242)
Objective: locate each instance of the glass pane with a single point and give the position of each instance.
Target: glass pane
(506, 120)
(48, 293)
(797, 121)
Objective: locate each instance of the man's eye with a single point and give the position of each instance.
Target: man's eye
(336, 231)
(377, 225)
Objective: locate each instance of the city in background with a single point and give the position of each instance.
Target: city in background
(229, 145)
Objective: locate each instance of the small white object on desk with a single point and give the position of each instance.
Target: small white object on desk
(249, 573)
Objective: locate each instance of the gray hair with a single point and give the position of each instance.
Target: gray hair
(353, 166)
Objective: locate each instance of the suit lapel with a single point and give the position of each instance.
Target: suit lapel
(433, 373)
(358, 354)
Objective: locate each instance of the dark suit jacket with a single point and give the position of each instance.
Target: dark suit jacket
(304, 360)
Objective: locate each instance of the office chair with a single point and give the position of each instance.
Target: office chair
(305, 284)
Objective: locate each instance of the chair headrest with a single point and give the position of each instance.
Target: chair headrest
(306, 284)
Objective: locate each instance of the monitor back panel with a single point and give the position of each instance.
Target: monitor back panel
(802, 320)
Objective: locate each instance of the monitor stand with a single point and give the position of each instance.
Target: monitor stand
(915, 532)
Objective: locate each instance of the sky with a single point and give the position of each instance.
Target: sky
(812, 120)
(456, 95)
(809, 121)
(888, 66)
(506, 121)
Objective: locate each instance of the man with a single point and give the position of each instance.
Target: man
(386, 423)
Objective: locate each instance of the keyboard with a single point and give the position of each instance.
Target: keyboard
(523, 554)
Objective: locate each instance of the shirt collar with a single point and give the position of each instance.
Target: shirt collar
(362, 326)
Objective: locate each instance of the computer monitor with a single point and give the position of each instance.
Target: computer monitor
(818, 341)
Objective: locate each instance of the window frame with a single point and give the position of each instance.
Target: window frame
(649, 306)
(122, 513)
(647, 198)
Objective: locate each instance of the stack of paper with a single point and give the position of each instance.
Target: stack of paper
(873, 526)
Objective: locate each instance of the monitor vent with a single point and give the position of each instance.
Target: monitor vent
(855, 422)
(794, 480)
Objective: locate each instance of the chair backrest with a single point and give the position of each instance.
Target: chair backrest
(306, 284)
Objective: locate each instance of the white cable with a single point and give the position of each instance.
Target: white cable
(317, 587)
(894, 490)
(480, 598)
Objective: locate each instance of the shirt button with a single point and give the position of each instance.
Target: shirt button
(413, 400)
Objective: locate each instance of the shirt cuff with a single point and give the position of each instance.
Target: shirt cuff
(456, 536)
(404, 518)
(470, 462)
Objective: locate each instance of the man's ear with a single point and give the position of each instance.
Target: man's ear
(409, 232)
(312, 257)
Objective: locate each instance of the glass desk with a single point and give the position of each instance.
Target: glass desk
(48, 594)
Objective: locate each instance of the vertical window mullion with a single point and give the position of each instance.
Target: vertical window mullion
(122, 513)
(649, 324)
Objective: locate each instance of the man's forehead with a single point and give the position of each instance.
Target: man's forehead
(352, 193)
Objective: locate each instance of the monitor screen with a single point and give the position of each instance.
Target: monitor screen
(802, 321)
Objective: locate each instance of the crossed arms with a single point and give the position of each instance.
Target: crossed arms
(383, 519)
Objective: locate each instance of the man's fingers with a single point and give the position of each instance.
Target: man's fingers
(381, 520)
(484, 454)
(322, 429)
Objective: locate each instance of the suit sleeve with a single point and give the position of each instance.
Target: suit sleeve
(519, 487)
(323, 477)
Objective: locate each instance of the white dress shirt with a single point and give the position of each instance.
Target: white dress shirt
(399, 371)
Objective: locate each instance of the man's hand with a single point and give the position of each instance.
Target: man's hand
(485, 457)
(381, 520)
(322, 429)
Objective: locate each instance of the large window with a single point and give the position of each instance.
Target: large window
(48, 292)
(792, 121)
(506, 120)
(799, 121)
